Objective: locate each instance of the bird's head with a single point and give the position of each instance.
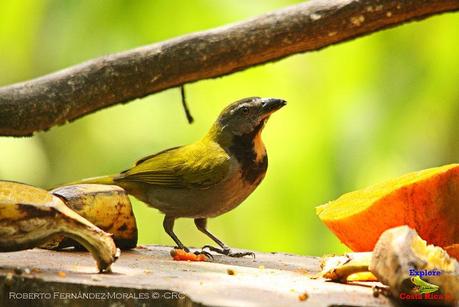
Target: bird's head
(248, 115)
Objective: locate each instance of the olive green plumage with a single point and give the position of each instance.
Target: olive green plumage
(206, 178)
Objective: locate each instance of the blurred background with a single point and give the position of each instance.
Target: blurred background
(357, 113)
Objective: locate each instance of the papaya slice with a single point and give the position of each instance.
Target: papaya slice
(427, 201)
(453, 251)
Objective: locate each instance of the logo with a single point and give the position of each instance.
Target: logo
(422, 273)
(424, 290)
(422, 286)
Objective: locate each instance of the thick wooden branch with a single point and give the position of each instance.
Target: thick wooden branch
(66, 95)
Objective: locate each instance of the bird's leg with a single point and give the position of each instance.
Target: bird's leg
(168, 225)
(201, 224)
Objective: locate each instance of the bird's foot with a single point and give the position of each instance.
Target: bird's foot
(227, 252)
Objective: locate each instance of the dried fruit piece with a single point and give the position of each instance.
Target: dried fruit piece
(181, 255)
(400, 255)
(427, 201)
(106, 206)
(31, 216)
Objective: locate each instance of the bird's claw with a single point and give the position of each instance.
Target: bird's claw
(227, 252)
(203, 252)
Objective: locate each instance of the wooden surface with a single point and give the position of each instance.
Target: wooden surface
(148, 276)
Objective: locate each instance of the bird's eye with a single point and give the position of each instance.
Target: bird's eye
(245, 110)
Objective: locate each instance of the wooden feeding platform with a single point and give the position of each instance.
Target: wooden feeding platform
(148, 276)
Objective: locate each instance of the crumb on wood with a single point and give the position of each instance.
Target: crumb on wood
(303, 296)
(61, 274)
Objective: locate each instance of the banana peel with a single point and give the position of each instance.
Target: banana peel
(30, 216)
(106, 206)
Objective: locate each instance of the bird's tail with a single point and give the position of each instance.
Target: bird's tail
(94, 180)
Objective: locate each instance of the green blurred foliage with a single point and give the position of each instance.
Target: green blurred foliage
(358, 112)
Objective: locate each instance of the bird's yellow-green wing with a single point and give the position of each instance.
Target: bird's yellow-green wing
(199, 165)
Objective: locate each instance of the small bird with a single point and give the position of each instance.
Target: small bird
(209, 177)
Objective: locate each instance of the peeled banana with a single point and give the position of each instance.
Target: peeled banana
(350, 267)
(30, 216)
(106, 206)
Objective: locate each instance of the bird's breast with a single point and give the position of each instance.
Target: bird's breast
(241, 182)
(250, 153)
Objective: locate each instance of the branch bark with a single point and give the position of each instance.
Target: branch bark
(66, 95)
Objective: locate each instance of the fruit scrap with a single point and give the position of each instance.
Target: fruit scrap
(350, 267)
(181, 255)
(30, 216)
(426, 201)
(361, 276)
(401, 257)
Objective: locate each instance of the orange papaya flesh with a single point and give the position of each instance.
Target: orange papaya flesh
(453, 251)
(427, 201)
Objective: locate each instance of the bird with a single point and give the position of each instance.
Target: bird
(206, 178)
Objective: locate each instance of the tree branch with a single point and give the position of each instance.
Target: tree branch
(66, 95)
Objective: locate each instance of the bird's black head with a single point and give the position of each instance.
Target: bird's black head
(249, 114)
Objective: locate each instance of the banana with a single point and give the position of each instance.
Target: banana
(351, 266)
(106, 206)
(30, 216)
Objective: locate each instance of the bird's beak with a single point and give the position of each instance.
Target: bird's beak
(270, 105)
